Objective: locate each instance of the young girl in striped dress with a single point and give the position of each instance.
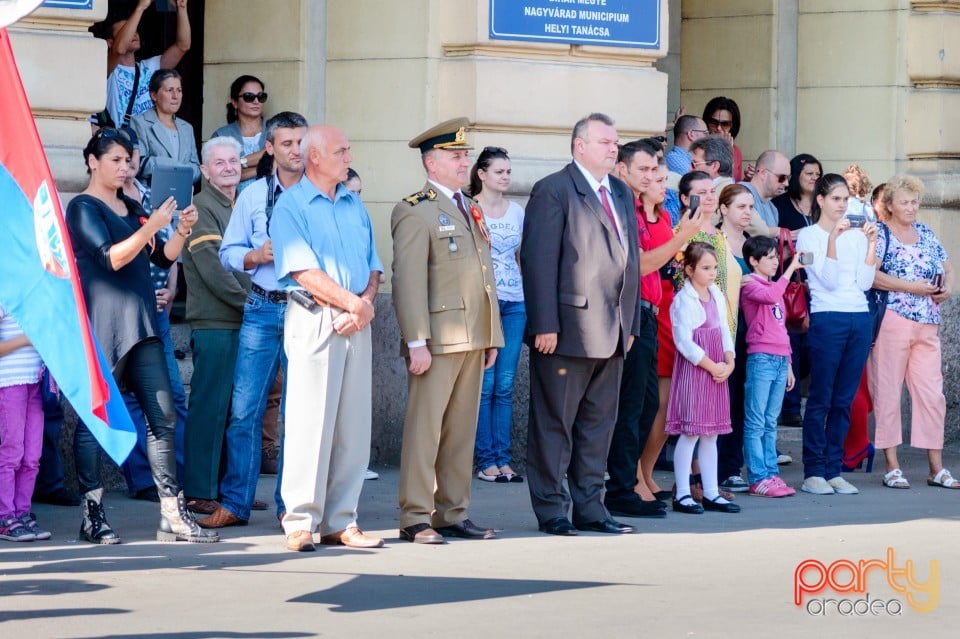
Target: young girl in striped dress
(699, 407)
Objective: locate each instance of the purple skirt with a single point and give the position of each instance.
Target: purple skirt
(698, 405)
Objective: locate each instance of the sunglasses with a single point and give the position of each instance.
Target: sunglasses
(723, 124)
(110, 133)
(250, 97)
(494, 150)
(781, 178)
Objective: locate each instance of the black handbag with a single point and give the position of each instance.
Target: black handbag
(877, 299)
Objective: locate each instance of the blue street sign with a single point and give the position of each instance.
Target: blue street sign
(614, 23)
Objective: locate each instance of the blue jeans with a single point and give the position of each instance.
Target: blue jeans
(136, 470)
(259, 356)
(766, 382)
(496, 396)
(839, 344)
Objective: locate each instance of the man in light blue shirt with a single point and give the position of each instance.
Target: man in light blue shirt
(246, 248)
(686, 130)
(326, 259)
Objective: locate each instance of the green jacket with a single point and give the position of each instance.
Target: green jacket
(215, 296)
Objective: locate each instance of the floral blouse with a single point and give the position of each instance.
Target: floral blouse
(912, 262)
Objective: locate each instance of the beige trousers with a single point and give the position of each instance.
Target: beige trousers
(436, 461)
(327, 421)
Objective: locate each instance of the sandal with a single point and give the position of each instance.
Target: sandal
(943, 479)
(895, 479)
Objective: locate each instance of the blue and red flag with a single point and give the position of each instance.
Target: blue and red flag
(39, 283)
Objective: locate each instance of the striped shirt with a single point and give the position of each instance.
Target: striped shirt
(23, 365)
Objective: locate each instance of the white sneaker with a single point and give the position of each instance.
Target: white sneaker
(842, 487)
(816, 486)
(783, 459)
(371, 474)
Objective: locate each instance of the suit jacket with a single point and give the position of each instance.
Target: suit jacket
(578, 281)
(443, 284)
(155, 144)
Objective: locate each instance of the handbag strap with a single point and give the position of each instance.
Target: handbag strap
(784, 241)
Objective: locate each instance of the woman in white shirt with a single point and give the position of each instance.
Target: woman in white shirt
(840, 330)
(489, 183)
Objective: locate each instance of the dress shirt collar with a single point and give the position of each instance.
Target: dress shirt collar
(443, 190)
(592, 181)
(311, 192)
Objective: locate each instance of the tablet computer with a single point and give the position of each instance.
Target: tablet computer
(172, 179)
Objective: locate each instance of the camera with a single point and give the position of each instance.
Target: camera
(806, 259)
(857, 221)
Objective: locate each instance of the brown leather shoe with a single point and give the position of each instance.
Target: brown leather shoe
(221, 518)
(352, 537)
(421, 534)
(202, 506)
(300, 541)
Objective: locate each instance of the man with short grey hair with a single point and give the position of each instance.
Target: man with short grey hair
(582, 317)
(215, 298)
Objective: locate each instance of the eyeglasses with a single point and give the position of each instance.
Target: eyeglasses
(703, 131)
(249, 97)
(494, 150)
(662, 139)
(694, 165)
(723, 124)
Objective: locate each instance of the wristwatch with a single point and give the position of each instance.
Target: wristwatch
(243, 161)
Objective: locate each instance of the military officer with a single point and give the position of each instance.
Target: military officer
(446, 304)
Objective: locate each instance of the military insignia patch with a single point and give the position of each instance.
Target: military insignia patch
(420, 196)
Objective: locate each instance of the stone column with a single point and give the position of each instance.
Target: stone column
(63, 68)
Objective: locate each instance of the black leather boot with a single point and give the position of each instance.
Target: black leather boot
(95, 527)
(177, 524)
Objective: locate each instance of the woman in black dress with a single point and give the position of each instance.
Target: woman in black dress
(114, 241)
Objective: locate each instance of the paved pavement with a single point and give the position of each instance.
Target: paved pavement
(714, 575)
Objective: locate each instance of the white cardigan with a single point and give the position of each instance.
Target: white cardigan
(687, 315)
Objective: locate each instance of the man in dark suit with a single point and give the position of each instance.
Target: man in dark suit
(580, 279)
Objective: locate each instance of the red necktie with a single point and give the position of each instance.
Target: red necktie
(458, 199)
(609, 210)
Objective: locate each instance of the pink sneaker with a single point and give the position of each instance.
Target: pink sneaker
(784, 486)
(764, 488)
(771, 487)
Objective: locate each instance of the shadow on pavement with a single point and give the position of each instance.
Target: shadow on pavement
(398, 591)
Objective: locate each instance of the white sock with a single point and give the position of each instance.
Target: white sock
(708, 468)
(682, 462)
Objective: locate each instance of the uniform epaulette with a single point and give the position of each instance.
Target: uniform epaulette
(420, 196)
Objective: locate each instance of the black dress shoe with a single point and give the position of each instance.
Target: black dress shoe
(636, 508)
(466, 529)
(558, 526)
(712, 504)
(608, 526)
(692, 509)
(421, 534)
(663, 494)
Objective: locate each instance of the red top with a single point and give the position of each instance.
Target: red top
(652, 235)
